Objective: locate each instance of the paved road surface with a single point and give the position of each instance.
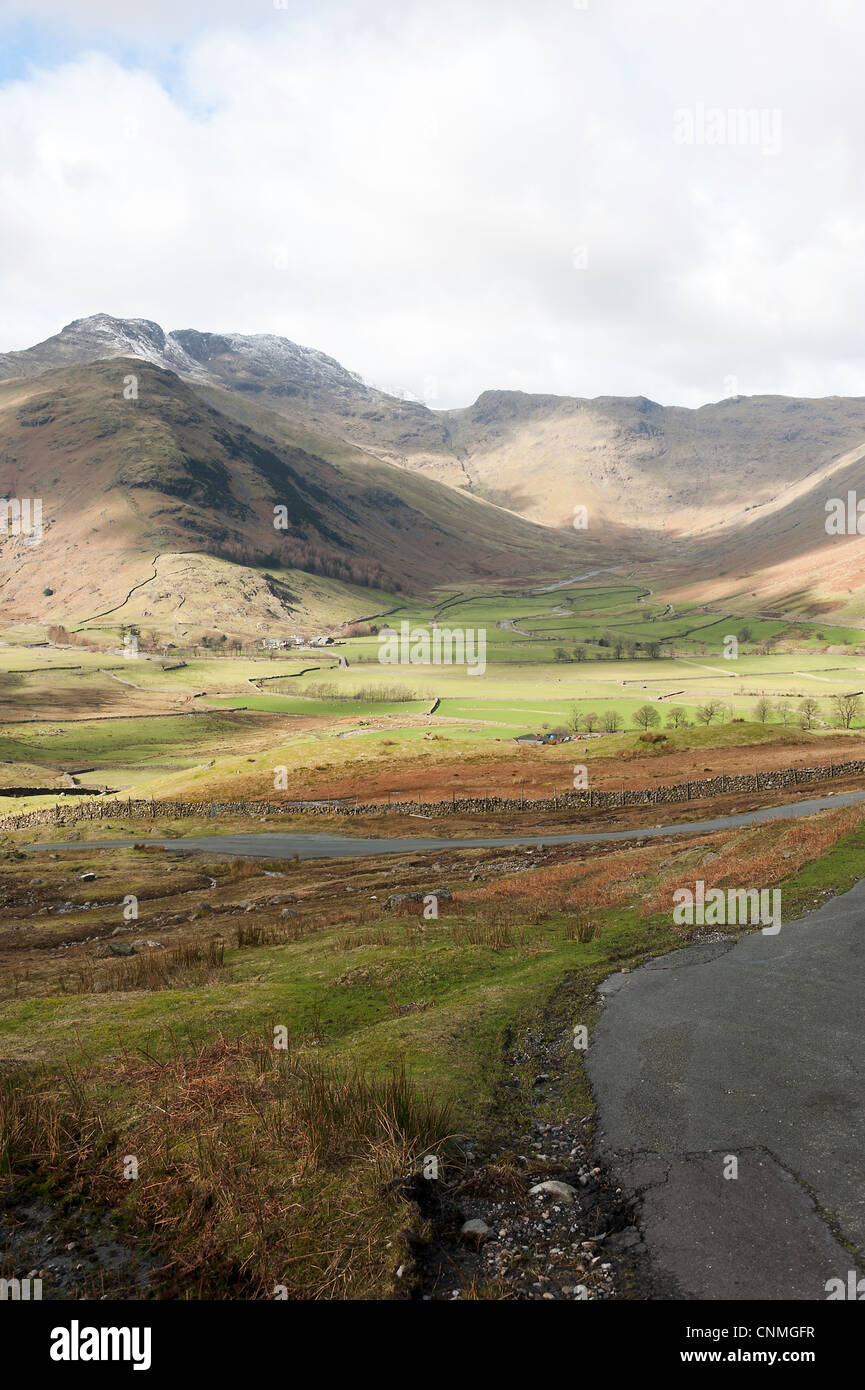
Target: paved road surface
(308, 845)
(754, 1049)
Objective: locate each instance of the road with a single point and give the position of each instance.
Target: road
(754, 1050)
(309, 845)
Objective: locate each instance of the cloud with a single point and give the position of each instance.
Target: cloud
(452, 198)
(146, 17)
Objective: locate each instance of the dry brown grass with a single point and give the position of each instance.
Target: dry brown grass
(241, 870)
(497, 930)
(761, 855)
(257, 1168)
(574, 885)
(580, 928)
(355, 941)
(191, 963)
(272, 933)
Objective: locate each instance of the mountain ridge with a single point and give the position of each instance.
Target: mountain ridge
(123, 478)
(737, 486)
(539, 455)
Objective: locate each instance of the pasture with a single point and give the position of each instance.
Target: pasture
(587, 655)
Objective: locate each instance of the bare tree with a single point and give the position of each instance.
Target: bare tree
(611, 722)
(763, 710)
(809, 709)
(846, 708)
(677, 717)
(708, 712)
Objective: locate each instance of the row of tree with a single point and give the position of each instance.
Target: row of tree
(845, 709)
(615, 648)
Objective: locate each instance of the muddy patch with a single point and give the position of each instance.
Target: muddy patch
(75, 1253)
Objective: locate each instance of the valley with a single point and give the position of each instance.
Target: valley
(321, 840)
(432, 679)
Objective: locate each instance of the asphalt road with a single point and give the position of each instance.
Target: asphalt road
(753, 1049)
(308, 845)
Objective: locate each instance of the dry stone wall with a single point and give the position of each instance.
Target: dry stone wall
(98, 809)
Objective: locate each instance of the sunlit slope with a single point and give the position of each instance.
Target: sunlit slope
(131, 486)
(664, 468)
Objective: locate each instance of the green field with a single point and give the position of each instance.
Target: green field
(180, 719)
(367, 993)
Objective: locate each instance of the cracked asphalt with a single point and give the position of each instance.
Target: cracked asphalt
(752, 1049)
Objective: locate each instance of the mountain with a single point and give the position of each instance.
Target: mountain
(630, 461)
(776, 557)
(208, 357)
(137, 491)
(736, 489)
(96, 339)
(301, 383)
(669, 469)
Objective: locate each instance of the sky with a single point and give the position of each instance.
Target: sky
(582, 197)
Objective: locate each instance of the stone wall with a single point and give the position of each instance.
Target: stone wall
(98, 809)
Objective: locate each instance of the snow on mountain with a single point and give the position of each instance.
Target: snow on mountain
(259, 361)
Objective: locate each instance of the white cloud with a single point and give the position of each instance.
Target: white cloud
(405, 186)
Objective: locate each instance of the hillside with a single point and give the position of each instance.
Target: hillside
(301, 383)
(677, 470)
(666, 469)
(389, 492)
(137, 492)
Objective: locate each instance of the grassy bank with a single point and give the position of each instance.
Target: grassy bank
(262, 1165)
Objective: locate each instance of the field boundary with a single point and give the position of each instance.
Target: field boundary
(695, 790)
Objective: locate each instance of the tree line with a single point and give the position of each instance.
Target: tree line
(844, 709)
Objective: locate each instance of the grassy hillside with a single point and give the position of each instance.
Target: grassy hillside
(265, 1166)
(161, 503)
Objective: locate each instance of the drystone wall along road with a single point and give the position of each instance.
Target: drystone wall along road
(96, 808)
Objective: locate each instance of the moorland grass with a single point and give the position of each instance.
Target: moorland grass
(262, 1166)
